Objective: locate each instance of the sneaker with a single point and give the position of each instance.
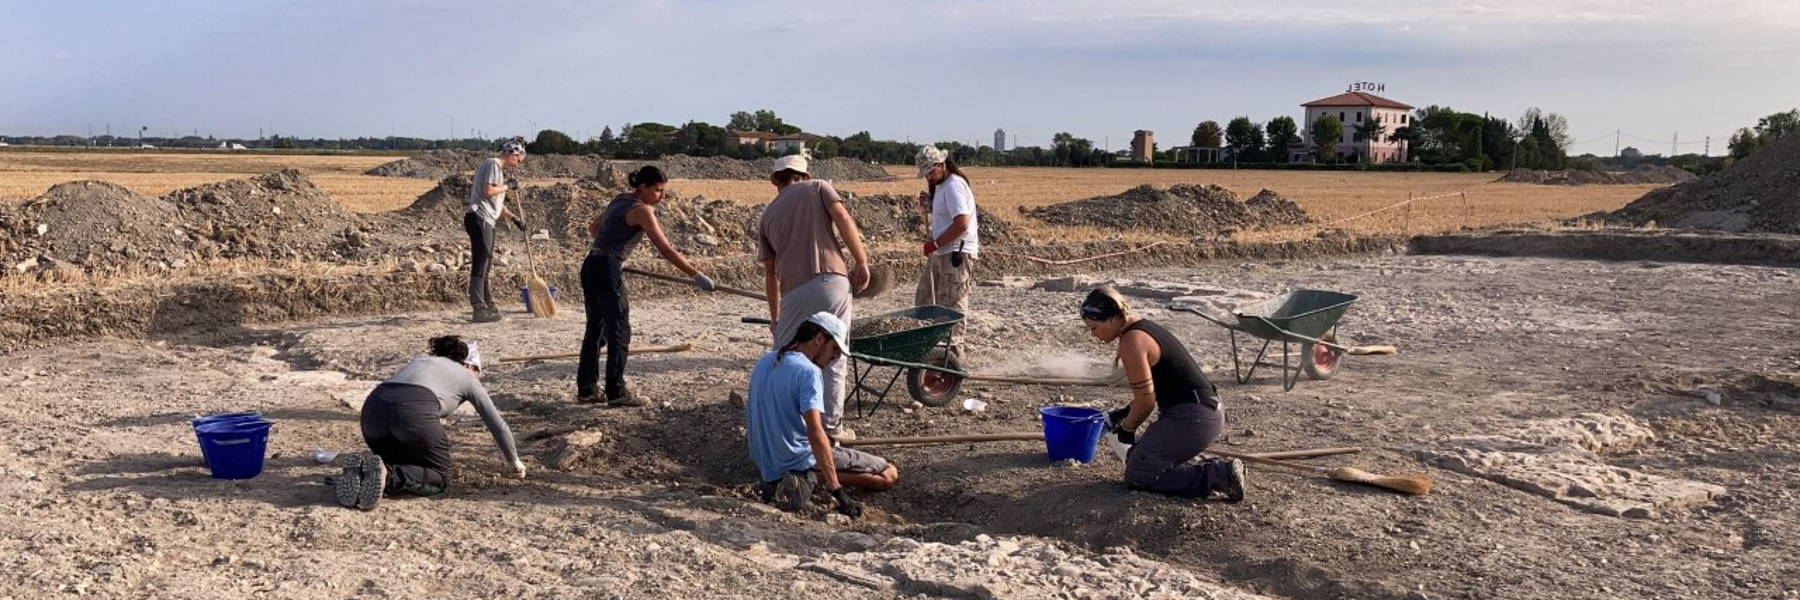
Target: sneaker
(588, 398)
(844, 434)
(1234, 480)
(765, 490)
(793, 492)
(488, 317)
(626, 399)
(346, 484)
(373, 482)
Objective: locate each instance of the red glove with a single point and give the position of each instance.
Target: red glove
(930, 247)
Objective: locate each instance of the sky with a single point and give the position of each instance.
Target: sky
(1650, 70)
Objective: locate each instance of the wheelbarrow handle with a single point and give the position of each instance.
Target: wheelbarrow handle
(756, 320)
(1190, 309)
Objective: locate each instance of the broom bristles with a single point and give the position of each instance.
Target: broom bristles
(1415, 484)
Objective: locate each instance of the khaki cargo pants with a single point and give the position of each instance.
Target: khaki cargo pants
(948, 286)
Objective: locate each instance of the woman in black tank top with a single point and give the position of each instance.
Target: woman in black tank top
(1164, 379)
(616, 231)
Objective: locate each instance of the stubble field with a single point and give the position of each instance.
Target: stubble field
(1338, 199)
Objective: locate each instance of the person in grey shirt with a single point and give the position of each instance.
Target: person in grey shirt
(487, 205)
(409, 449)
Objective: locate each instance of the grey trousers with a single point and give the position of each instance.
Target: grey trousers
(1161, 460)
(828, 292)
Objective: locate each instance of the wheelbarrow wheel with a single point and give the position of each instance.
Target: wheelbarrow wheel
(934, 388)
(1320, 361)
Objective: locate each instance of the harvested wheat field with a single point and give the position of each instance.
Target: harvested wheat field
(1327, 196)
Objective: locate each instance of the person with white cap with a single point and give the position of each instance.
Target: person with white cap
(786, 427)
(804, 272)
(487, 205)
(955, 242)
(409, 450)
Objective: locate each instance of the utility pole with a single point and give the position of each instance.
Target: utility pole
(1615, 143)
(1676, 139)
(1708, 151)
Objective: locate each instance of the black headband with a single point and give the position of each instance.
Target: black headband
(1100, 307)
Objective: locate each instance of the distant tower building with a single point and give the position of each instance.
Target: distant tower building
(1143, 145)
(1000, 140)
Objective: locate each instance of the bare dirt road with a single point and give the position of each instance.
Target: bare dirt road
(1595, 429)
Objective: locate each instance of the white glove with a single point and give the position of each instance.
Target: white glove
(518, 468)
(704, 283)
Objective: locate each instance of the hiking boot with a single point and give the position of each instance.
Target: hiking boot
(345, 485)
(794, 491)
(765, 490)
(588, 398)
(843, 434)
(1234, 480)
(373, 482)
(487, 316)
(626, 399)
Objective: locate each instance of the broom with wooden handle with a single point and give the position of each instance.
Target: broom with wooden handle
(1416, 484)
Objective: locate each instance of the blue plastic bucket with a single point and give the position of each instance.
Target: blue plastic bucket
(1072, 431)
(234, 449)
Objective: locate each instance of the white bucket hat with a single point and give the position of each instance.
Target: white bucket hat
(792, 161)
(928, 157)
(513, 148)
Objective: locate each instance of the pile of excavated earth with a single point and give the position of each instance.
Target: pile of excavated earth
(681, 166)
(1759, 193)
(1584, 177)
(96, 226)
(1180, 209)
(438, 164)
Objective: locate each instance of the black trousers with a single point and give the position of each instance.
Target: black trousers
(481, 259)
(608, 325)
(1160, 460)
(400, 424)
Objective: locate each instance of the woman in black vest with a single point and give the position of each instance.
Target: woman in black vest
(628, 218)
(1164, 378)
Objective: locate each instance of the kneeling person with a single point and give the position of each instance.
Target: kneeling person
(409, 449)
(787, 432)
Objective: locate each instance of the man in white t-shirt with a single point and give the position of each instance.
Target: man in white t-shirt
(954, 243)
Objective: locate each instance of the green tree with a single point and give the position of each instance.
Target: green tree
(1556, 124)
(1245, 137)
(1368, 130)
(551, 141)
(1208, 135)
(1744, 142)
(1284, 135)
(1325, 135)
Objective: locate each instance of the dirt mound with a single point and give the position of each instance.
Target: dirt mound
(1759, 193)
(889, 217)
(438, 164)
(1581, 177)
(91, 224)
(1180, 209)
(706, 227)
(280, 214)
(681, 166)
(97, 226)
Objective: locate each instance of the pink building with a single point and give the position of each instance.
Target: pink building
(1353, 109)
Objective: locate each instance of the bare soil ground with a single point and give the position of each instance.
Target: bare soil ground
(105, 496)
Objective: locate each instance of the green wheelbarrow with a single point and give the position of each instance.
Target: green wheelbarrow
(1302, 319)
(922, 352)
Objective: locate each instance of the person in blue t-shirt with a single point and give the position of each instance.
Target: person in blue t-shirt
(787, 433)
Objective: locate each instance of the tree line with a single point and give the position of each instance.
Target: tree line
(1435, 135)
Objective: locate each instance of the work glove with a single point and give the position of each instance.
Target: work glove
(704, 283)
(1126, 436)
(1116, 417)
(930, 247)
(844, 504)
(512, 184)
(518, 469)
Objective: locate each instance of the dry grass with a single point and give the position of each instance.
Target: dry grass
(1328, 196)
